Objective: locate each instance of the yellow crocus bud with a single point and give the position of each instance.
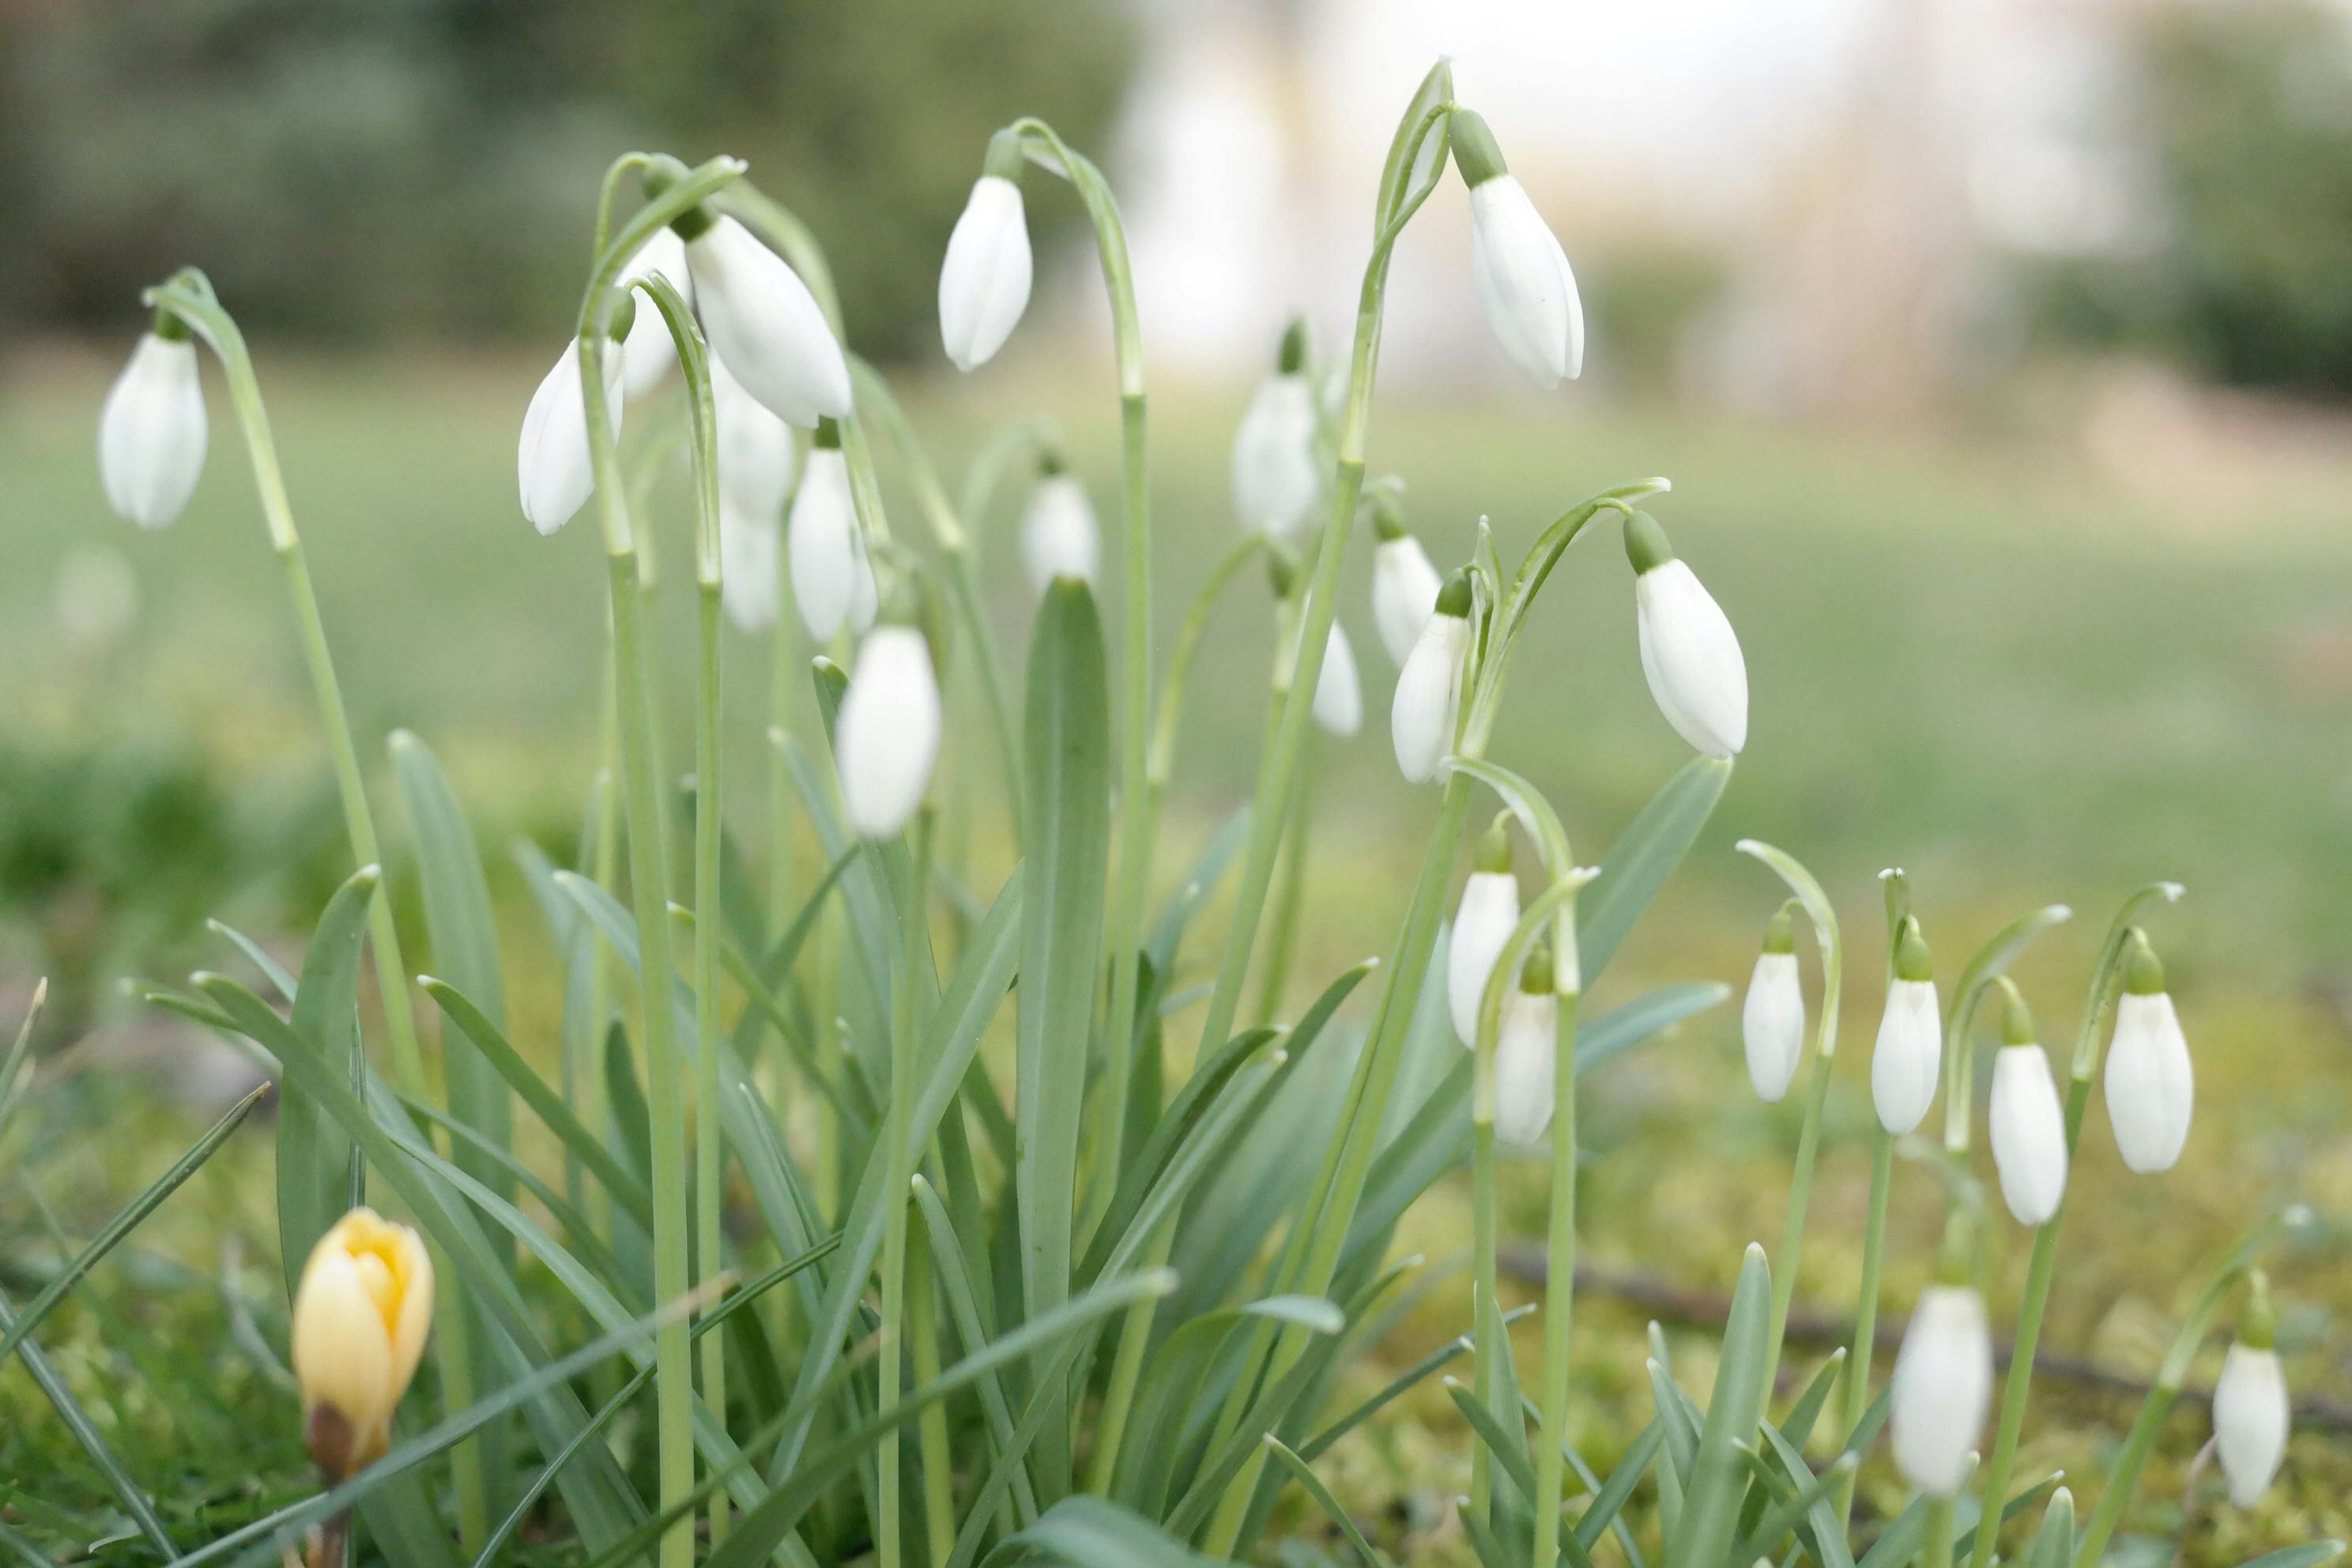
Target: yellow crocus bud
(361, 1314)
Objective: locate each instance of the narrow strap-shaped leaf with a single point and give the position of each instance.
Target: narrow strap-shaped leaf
(1325, 1501)
(1638, 864)
(963, 1305)
(582, 1237)
(2053, 1539)
(1786, 1508)
(1819, 1528)
(85, 1434)
(1088, 1532)
(314, 1154)
(1712, 1493)
(1510, 1454)
(1798, 1426)
(280, 979)
(1609, 1497)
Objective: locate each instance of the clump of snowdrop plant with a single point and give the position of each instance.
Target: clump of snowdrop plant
(864, 1297)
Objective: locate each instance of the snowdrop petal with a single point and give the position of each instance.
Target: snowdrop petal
(2029, 1133)
(1059, 536)
(648, 352)
(1429, 697)
(1942, 1389)
(755, 449)
(2251, 1421)
(762, 321)
(1339, 694)
(1526, 1058)
(823, 544)
(749, 549)
(887, 736)
(1274, 473)
(1489, 909)
(2150, 1086)
(1772, 1024)
(1692, 658)
(152, 432)
(1404, 593)
(984, 281)
(1524, 285)
(552, 465)
(1909, 1055)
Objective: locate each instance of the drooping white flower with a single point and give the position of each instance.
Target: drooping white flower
(755, 449)
(1059, 536)
(1482, 924)
(1772, 1019)
(150, 434)
(1526, 1055)
(1428, 699)
(1909, 1055)
(1689, 652)
(985, 280)
(762, 321)
(552, 465)
(2151, 1089)
(648, 352)
(2251, 1411)
(749, 552)
(827, 556)
(2029, 1125)
(1404, 591)
(1339, 693)
(1524, 285)
(1942, 1389)
(888, 735)
(1275, 476)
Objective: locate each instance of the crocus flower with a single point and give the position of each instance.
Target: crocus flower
(828, 559)
(1772, 1019)
(2151, 1088)
(1942, 1389)
(1274, 472)
(1909, 1055)
(1524, 285)
(2029, 1127)
(888, 735)
(763, 321)
(361, 1313)
(151, 434)
(1404, 583)
(1526, 1056)
(984, 281)
(647, 350)
(1482, 924)
(2250, 1413)
(1059, 537)
(755, 449)
(749, 549)
(1429, 687)
(1689, 652)
(552, 465)
(1339, 693)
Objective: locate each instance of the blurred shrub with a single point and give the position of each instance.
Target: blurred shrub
(2244, 114)
(353, 168)
(1645, 297)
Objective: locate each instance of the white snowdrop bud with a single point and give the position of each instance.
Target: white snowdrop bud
(647, 350)
(1689, 652)
(1772, 1019)
(827, 558)
(1059, 536)
(552, 465)
(888, 735)
(1275, 476)
(1484, 922)
(1942, 1389)
(755, 449)
(1429, 687)
(1524, 285)
(2251, 1411)
(749, 548)
(2029, 1126)
(150, 434)
(762, 321)
(985, 280)
(1909, 1055)
(1404, 581)
(1339, 693)
(1527, 1053)
(2151, 1088)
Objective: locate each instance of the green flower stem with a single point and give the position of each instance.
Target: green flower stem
(1559, 1290)
(931, 1431)
(1938, 1553)
(1290, 899)
(2105, 983)
(1865, 1315)
(1486, 1311)
(898, 1122)
(1047, 148)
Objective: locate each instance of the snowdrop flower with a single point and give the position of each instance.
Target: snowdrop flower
(647, 350)
(1689, 652)
(1482, 924)
(1772, 1019)
(1429, 689)
(150, 434)
(888, 735)
(1524, 285)
(1404, 583)
(1525, 1055)
(1059, 537)
(1942, 1389)
(552, 465)
(749, 549)
(2029, 1127)
(1274, 473)
(361, 1310)
(829, 568)
(763, 321)
(1910, 1051)
(2250, 1413)
(1339, 694)
(984, 281)
(755, 449)
(2151, 1088)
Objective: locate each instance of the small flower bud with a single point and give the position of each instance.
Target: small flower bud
(2251, 1411)
(152, 432)
(1942, 1389)
(647, 349)
(748, 552)
(984, 279)
(1404, 581)
(1482, 924)
(2029, 1126)
(1909, 1054)
(831, 575)
(361, 1310)
(1427, 705)
(1772, 1019)
(552, 465)
(1526, 1056)
(2151, 1088)
(763, 321)
(1524, 285)
(1339, 692)
(888, 734)
(1689, 652)
(1059, 537)
(1275, 476)
(755, 448)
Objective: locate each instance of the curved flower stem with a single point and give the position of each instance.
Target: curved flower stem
(1959, 1043)
(1560, 1288)
(1898, 889)
(2107, 980)
(1940, 1516)
(985, 473)
(1290, 896)
(1045, 147)
(906, 985)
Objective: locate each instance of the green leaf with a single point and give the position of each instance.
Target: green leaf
(1638, 864)
(2054, 1541)
(1609, 1497)
(1088, 1532)
(1325, 1501)
(85, 1434)
(963, 1305)
(1716, 1479)
(2307, 1556)
(314, 1154)
(1510, 1452)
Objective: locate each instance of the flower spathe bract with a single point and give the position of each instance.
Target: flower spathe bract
(888, 735)
(1526, 287)
(1482, 924)
(2029, 1133)
(648, 352)
(1772, 1024)
(1059, 536)
(984, 279)
(749, 552)
(1428, 700)
(1526, 1059)
(552, 465)
(755, 448)
(1690, 654)
(152, 432)
(361, 1310)
(1339, 691)
(1942, 1388)
(1274, 473)
(2151, 1088)
(1404, 592)
(825, 551)
(762, 321)
(2251, 1420)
